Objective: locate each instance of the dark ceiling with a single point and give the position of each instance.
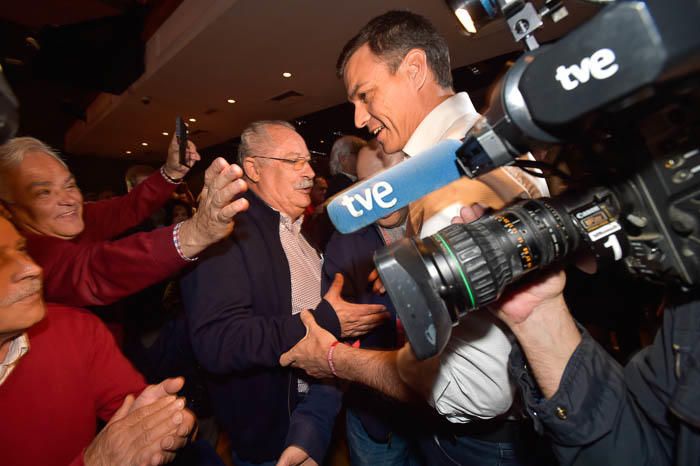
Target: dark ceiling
(49, 103)
(57, 96)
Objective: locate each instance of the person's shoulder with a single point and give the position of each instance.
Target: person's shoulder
(72, 319)
(362, 234)
(34, 240)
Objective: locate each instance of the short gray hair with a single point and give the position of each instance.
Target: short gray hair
(255, 139)
(12, 153)
(343, 146)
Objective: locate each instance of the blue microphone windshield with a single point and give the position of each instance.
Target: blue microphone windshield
(386, 192)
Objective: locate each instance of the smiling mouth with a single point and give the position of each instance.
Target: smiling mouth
(30, 295)
(68, 214)
(377, 130)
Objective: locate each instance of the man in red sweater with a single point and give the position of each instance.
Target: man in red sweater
(75, 242)
(60, 370)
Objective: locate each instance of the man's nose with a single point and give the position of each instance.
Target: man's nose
(361, 116)
(308, 171)
(68, 197)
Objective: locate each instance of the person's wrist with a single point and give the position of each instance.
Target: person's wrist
(550, 312)
(329, 358)
(192, 241)
(171, 174)
(549, 329)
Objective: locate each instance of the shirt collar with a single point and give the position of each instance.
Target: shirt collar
(352, 177)
(18, 348)
(432, 129)
(293, 226)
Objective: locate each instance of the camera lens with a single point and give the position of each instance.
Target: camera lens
(436, 280)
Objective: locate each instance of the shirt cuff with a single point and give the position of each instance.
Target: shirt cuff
(178, 246)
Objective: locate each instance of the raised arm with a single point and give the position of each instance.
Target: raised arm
(108, 218)
(101, 272)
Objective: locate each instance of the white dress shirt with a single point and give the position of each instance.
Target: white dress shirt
(451, 120)
(473, 380)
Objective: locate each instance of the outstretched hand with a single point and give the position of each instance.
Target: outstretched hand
(355, 319)
(218, 205)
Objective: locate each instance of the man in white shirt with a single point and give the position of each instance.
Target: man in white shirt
(397, 74)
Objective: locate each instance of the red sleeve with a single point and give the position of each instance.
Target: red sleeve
(112, 376)
(103, 272)
(107, 219)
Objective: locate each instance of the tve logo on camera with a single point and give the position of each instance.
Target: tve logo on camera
(600, 65)
(377, 194)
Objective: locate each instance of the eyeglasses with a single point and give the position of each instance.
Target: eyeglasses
(298, 163)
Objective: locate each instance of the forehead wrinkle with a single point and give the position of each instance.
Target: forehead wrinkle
(36, 184)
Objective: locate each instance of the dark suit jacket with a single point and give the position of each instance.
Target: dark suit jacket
(238, 302)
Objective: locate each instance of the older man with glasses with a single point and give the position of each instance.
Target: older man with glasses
(243, 302)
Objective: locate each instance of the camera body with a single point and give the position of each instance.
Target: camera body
(623, 89)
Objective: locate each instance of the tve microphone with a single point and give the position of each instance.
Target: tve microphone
(389, 190)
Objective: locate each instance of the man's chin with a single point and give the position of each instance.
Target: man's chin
(389, 147)
(69, 232)
(32, 309)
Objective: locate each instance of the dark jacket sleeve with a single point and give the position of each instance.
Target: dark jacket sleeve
(103, 272)
(602, 413)
(312, 421)
(339, 258)
(108, 218)
(227, 335)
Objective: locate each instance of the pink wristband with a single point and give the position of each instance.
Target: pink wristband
(330, 358)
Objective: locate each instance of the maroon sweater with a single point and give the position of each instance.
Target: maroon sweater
(72, 374)
(93, 270)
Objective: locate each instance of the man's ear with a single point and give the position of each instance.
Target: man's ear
(415, 64)
(251, 169)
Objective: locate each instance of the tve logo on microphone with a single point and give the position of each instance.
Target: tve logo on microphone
(366, 199)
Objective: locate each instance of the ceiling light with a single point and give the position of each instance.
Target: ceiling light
(231, 101)
(475, 14)
(128, 152)
(144, 144)
(287, 74)
(192, 120)
(165, 133)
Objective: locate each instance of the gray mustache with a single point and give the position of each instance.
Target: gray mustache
(306, 183)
